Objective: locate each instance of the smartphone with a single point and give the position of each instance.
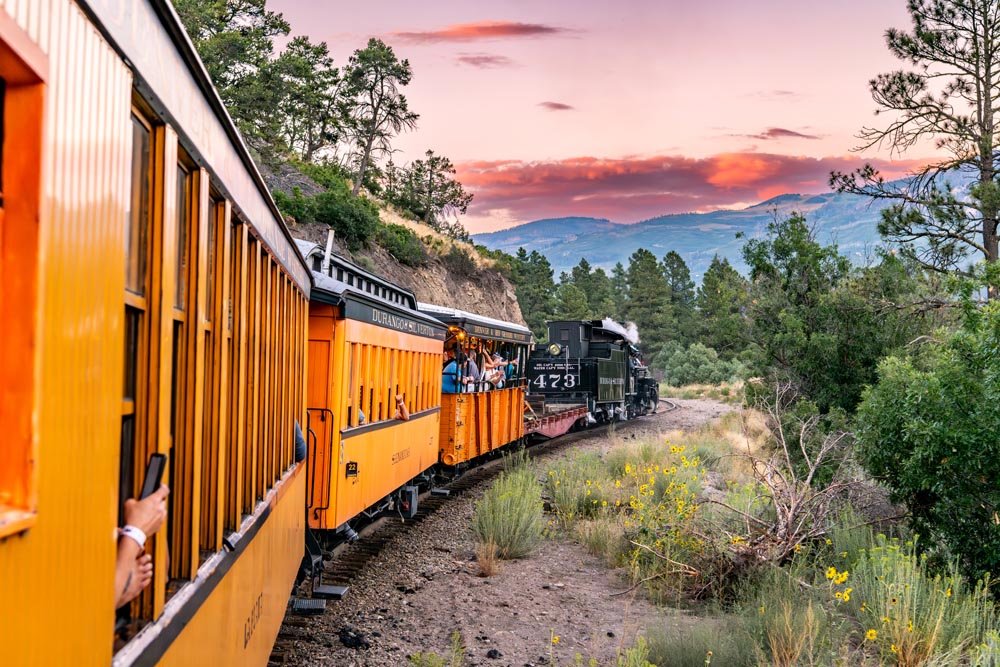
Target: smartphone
(154, 474)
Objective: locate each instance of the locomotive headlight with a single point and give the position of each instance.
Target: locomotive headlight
(555, 349)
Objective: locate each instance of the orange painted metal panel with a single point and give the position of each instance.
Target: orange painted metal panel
(346, 357)
(63, 566)
(475, 424)
(78, 350)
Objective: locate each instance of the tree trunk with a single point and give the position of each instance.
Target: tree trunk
(363, 168)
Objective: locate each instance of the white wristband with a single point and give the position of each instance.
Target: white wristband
(136, 534)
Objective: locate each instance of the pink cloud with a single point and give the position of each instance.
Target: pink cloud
(467, 32)
(484, 60)
(637, 188)
(555, 106)
(781, 133)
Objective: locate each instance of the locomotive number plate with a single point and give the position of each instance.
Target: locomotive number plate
(555, 375)
(351, 469)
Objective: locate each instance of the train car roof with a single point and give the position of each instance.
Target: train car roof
(169, 74)
(479, 325)
(368, 298)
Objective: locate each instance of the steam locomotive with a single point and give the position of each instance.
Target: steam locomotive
(595, 362)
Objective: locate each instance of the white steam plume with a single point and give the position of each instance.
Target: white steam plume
(629, 332)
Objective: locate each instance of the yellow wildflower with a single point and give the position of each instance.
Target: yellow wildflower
(871, 635)
(893, 648)
(831, 572)
(555, 639)
(909, 626)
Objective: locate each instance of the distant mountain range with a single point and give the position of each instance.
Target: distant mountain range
(848, 220)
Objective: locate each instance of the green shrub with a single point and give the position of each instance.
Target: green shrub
(928, 430)
(913, 617)
(579, 486)
(455, 657)
(637, 656)
(459, 262)
(510, 514)
(696, 364)
(786, 620)
(402, 244)
(355, 219)
(714, 641)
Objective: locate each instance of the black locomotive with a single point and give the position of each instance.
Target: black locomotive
(592, 362)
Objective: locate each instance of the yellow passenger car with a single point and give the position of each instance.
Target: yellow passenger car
(484, 416)
(368, 345)
(152, 301)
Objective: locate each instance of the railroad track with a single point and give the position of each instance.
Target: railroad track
(348, 560)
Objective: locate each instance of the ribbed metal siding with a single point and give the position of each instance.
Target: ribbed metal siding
(56, 580)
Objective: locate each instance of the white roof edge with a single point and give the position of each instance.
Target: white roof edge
(455, 312)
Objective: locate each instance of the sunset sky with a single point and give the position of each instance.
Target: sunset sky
(631, 109)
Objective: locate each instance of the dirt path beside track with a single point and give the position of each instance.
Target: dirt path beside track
(424, 587)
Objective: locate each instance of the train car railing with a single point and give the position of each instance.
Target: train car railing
(315, 458)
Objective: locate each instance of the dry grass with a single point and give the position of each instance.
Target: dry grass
(727, 392)
(488, 558)
(433, 240)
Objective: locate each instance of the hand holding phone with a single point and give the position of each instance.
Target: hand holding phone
(154, 475)
(149, 512)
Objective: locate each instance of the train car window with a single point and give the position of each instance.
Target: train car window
(134, 382)
(214, 352)
(21, 109)
(237, 370)
(183, 222)
(252, 298)
(185, 329)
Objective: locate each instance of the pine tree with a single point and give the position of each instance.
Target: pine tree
(648, 303)
(946, 96)
(682, 294)
(600, 298)
(571, 303)
(720, 302)
(532, 275)
(619, 290)
(373, 79)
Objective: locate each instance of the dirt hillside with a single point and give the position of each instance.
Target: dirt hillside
(482, 289)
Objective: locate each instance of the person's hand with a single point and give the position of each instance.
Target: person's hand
(399, 398)
(138, 579)
(149, 513)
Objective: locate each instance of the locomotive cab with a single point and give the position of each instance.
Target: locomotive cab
(592, 362)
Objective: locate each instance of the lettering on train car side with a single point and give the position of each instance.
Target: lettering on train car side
(253, 618)
(497, 333)
(400, 455)
(384, 318)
